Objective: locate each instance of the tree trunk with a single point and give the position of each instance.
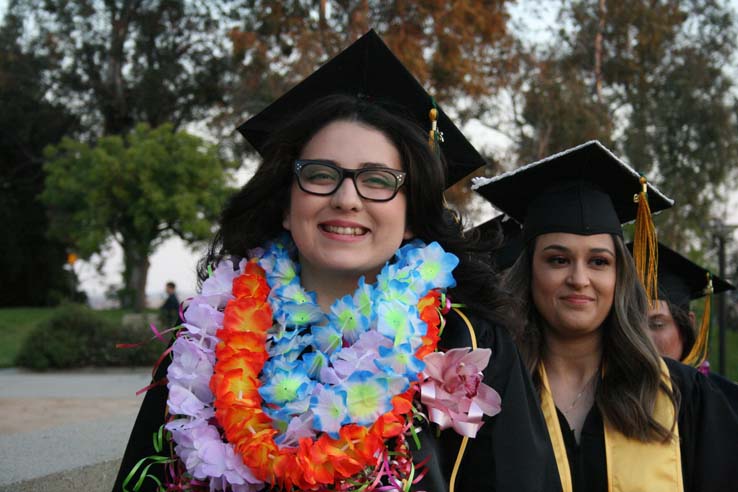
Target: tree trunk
(136, 270)
(115, 110)
(602, 12)
(358, 20)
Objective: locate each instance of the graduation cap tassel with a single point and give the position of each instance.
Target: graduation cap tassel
(434, 136)
(698, 353)
(645, 245)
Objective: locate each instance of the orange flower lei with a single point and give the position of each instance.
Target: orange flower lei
(321, 464)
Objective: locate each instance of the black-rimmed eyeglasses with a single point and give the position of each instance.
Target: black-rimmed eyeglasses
(378, 184)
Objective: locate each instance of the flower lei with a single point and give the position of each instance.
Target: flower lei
(270, 392)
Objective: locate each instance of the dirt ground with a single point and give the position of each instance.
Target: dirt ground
(26, 414)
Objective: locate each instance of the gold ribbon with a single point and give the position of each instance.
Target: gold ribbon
(465, 439)
(632, 465)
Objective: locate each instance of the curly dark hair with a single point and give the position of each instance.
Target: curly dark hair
(254, 214)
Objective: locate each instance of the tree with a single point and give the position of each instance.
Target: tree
(120, 62)
(457, 50)
(136, 190)
(32, 265)
(656, 71)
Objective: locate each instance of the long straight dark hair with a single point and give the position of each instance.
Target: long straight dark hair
(254, 214)
(631, 377)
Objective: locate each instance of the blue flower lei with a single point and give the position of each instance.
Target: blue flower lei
(328, 370)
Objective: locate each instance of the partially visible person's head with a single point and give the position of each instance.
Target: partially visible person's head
(171, 287)
(671, 328)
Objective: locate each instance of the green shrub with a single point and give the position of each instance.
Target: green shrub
(76, 336)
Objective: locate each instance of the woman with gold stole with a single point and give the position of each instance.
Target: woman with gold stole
(620, 418)
(326, 350)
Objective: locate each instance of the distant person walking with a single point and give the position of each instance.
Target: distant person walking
(169, 311)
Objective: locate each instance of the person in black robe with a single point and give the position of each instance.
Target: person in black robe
(612, 406)
(672, 324)
(169, 310)
(368, 85)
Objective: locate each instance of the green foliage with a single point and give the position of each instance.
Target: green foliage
(649, 78)
(32, 264)
(76, 336)
(557, 94)
(16, 324)
(120, 62)
(137, 190)
(144, 188)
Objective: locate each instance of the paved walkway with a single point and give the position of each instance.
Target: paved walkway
(62, 425)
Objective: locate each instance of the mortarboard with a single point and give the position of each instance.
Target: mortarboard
(369, 69)
(680, 281)
(583, 190)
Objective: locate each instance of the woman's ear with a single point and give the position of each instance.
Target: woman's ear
(408, 234)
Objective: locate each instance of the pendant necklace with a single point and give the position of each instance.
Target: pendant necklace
(580, 394)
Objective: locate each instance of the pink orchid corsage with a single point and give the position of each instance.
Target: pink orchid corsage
(453, 391)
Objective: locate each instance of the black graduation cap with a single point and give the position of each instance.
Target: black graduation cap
(583, 190)
(368, 69)
(505, 255)
(681, 280)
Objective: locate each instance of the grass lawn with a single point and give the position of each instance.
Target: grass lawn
(16, 324)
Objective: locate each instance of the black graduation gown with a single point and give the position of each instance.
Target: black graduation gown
(511, 452)
(708, 430)
(727, 387)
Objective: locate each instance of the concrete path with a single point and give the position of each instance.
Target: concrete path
(66, 430)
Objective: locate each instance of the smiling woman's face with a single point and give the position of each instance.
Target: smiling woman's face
(573, 281)
(344, 234)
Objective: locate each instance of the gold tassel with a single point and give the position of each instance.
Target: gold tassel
(435, 137)
(698, 354)
(645, 245)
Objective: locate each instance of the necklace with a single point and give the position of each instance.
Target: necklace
(581, 393)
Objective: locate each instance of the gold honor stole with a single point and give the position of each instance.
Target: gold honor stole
(632, 465)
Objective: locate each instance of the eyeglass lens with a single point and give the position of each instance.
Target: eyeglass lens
(372, 184)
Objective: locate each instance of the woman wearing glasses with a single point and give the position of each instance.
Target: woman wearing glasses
(324, 300)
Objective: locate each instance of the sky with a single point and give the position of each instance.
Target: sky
(175, 261)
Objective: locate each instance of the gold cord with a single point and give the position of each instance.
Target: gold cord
(465, 440)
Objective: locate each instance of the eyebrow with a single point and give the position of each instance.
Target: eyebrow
(362, 165)
(559, 247)
(372, 165)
